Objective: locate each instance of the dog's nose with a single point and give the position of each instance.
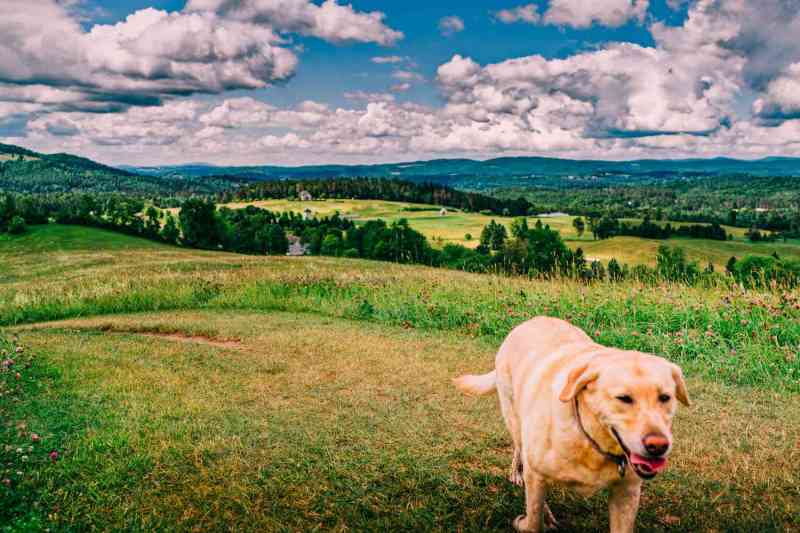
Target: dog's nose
(656, 444)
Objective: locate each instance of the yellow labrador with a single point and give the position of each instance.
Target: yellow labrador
(581, 414)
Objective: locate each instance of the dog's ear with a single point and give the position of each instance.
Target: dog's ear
(578, 378)
(680, 386)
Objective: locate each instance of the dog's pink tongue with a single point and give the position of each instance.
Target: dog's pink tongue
(651, 464)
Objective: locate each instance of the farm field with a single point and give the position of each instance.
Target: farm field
(192, 390)
(455, 225)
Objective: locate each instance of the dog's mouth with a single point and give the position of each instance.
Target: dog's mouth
(647, 467)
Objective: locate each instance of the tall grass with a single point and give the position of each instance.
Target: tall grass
(722, 333)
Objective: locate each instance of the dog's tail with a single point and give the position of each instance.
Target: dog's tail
(477, 385)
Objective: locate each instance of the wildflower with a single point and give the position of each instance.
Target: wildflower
(54, 456)
(7, 482)
(35, 437)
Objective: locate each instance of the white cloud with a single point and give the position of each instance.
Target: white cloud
(582, 14)
(689, 94)
(210, 47)
(528, 13)
(382, 60)
(369, 97)
(451, 25)
(407, 75)
(330, 21)
(288, 141)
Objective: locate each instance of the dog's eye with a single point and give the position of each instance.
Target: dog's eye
(663, 398)
(624, 398)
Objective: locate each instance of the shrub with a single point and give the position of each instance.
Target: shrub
(17, 226)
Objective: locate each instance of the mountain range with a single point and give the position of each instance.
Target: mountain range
(28, 171)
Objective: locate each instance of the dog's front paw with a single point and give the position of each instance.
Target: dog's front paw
(521, 523)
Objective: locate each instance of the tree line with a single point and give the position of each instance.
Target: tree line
(380, 189)
(745, 201)
(608, 226)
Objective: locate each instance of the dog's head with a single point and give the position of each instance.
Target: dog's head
(634, 395)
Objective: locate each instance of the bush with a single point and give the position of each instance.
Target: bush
(17, 226)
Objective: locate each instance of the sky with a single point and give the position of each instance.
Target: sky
(293, 82)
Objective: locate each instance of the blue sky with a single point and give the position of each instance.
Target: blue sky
(302, 81)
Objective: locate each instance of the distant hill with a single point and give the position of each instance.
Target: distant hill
(507, 171)
(23, 170)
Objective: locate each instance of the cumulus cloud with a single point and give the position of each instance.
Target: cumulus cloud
(330, 21)
(528, 13)
(686, 94)
(582, 14)
(451, 25)
(209, 47)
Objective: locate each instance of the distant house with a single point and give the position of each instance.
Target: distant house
(305, 196)
(296, 248)
(308, 214)
(443, 212)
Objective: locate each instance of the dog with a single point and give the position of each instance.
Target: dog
(581, 414)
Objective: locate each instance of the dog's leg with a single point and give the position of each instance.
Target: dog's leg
(532, 521)
(515, 476)
(504, 394)
(623, 504)
(550, 522)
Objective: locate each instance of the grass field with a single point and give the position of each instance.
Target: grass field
(456, 224)
(199, 391)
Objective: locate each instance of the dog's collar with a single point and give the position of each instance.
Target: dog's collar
(620, 460)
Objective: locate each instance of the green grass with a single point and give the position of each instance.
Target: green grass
(456, 224)
(308, 422)
(193, 390)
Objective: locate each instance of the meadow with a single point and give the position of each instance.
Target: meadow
(188, 390)
(453, 227)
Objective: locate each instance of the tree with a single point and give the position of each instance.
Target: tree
(493, 236)
(614, 270)
(276, 241)
(331, 244)
(579, 225)
(519, 228)
(608, 226)
(730, 267)
(170, 232)
(499, 237)
(199, 224)
(152, 225)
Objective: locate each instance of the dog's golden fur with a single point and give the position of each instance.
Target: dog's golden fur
(542, 367)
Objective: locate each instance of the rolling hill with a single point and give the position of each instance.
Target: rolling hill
(506, 171)
(23, 170)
